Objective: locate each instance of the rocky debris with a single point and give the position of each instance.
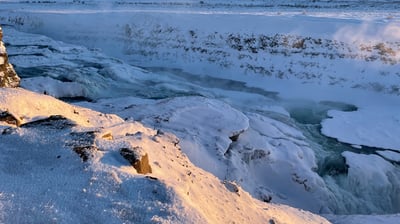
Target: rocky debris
(5, 116)
(54, 122)
(231, 186)
(83, 144)
(7, 131)
(8, 76)
(302, 181)
(250, 154)
(171, 138)
(235, 137)
(107, 136)
(138, 161)
(85, 152)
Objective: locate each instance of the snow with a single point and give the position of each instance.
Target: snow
(220, 98)
(365, 219)
(273, 160)
(19, 103)
(202, 125)
(2, 49)
(373, 177)
(86, 72)
(2, 52)
(269, 158)
(54, 87)
(250, 47)
(375, 127)
(51, 182)
(390, 155)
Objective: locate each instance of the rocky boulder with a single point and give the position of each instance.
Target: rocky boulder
(8, 76)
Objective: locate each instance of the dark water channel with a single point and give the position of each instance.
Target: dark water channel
(308, 117)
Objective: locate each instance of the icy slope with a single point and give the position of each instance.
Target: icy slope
(46, 181)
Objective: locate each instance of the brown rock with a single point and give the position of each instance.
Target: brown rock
(139, 162)
(5, 116)
(8, 76)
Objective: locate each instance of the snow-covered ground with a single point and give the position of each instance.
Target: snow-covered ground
(252, 98)
(45, 181)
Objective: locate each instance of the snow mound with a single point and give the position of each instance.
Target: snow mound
(26, 106)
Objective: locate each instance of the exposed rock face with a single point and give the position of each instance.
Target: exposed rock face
(8, 76)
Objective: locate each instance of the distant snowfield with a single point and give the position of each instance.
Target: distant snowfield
(250, 97)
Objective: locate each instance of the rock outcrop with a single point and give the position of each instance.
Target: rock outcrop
(8, 76)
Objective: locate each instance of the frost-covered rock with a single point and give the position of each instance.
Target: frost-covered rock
(8, 76)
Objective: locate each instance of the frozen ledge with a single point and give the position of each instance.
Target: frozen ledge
(374, 127)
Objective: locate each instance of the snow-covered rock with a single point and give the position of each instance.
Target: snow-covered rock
(44, 180)
(8, 76)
